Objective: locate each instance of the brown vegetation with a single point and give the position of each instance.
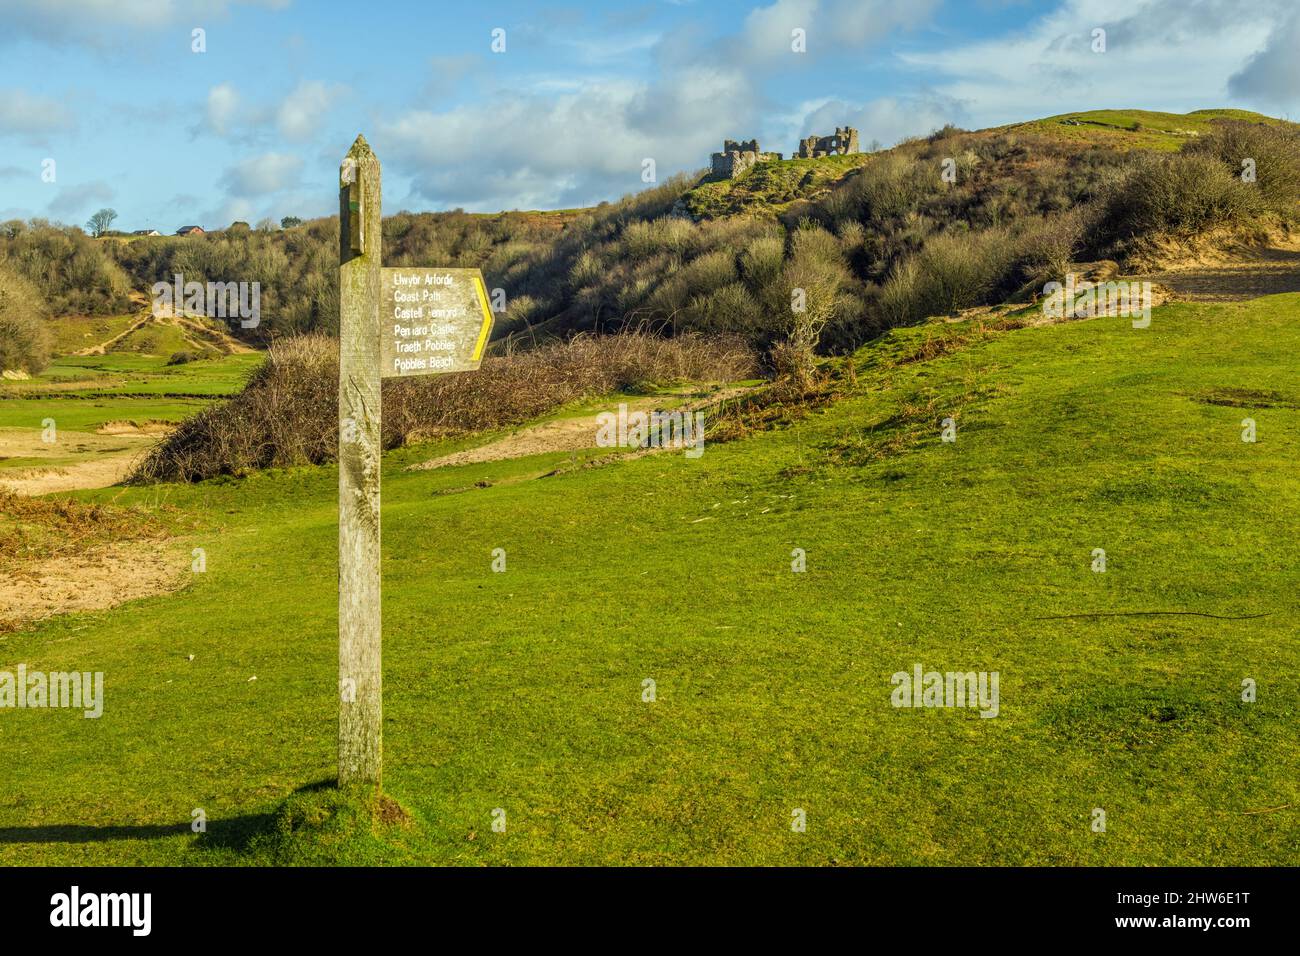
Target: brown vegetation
(288, 412)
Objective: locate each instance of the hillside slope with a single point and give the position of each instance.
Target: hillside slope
(523, 690)
(1001, 207)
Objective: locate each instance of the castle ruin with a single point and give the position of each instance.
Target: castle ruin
(737, 158)
(843, 142)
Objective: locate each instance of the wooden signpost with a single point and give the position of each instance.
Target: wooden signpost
(392, 322)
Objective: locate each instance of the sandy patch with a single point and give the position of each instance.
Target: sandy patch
(76, 460)
(1237, 274)
(95, 580)
(566, 434)
(133, 428)
(96, 473)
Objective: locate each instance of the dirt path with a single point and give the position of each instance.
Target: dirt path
(566, 434)
(107, 344)
(195, 333)
(1234, 277)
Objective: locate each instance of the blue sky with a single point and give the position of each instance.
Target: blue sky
(254, 127)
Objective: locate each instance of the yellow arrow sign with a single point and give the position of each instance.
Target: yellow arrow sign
(433, 321)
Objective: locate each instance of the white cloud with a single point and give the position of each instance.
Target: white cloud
(447, 72)
(300, 115)
(886, 120)
(828, 25)
(234, 209)
(767, 30)
(77, 201)
(578, 145)
(1159, 54)
(262, 175)
(223, 107)
(31, 117)
(95, 23)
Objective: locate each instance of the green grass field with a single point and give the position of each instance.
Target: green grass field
(522, 690)
(81, 393)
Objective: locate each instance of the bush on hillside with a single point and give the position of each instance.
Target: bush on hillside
(1270, 154)
(953, 271)
(1178, 197)
(815, 276)
(24, 339)
(72, 272)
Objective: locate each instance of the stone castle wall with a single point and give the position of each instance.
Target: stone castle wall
(844, 141)
(734, 162)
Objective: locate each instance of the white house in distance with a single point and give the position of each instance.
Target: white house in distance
(146, 232)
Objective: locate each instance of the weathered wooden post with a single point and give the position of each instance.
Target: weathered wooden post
(360, 671)
(392, 322)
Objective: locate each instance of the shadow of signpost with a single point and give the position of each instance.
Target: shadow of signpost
(308, 806)
(231, 834)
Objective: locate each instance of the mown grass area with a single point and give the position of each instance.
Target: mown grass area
(89, 414)
(1138, 129)
(522, 690)
(770, 187)
(125, 373)
(81, 393)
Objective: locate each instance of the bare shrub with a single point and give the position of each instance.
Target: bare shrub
(667, 234)
(286, 415)
(708, 272)
(815, 275)
(288, 412)
(762, 261)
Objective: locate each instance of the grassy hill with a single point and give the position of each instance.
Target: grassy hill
(523, 690)
(1137, 129)
(769, 188)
